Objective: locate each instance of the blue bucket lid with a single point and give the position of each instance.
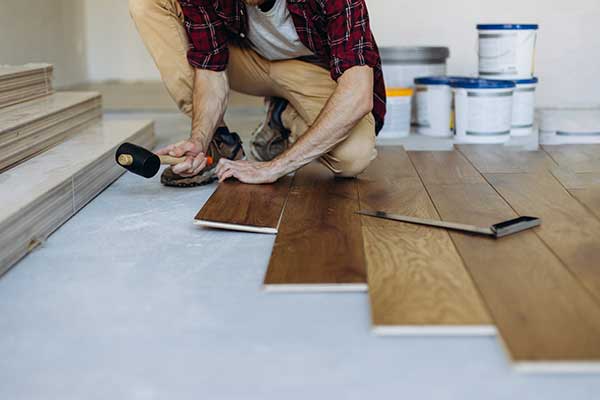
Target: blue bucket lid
(476, 83)
(435, 80)
(526, 81)
(507, 27)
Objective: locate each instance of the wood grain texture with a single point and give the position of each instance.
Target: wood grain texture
(502, 159)
(237, 206)
(579, 158)
(319, 245)
(569, 229)
(417, 281)
(545, 317)
(444, 167)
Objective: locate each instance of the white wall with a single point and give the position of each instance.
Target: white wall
(45, 31)
(568, 55)
(115, 48)
(568, 47)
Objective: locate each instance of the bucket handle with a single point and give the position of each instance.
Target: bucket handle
(534, 33)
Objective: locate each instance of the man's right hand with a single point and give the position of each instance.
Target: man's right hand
(192, 150)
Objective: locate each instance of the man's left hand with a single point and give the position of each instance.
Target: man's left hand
(253, 172)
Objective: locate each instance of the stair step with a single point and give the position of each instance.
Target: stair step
(41, 194)
(19, 84)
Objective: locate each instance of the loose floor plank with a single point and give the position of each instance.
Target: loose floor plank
(417, 281)
(547, 320)
(248, 208)
(319, 245)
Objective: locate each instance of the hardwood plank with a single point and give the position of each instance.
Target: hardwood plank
(501, 159)
(579, 158)
(444, 167)
(251, 208)
(589, 198)
(319, 245)
(544, 316)
(568, 228)
(417, 281)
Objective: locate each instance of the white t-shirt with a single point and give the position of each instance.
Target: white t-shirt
(273, 33)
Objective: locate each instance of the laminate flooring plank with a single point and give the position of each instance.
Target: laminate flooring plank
(241, 207)
(417, 281)
(444, 167)
(502, 159)
(579, 158)
(568, 228)
(319, 245)
(546, 319)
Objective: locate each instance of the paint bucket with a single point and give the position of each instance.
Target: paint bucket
(401, 65)
(507, 51)
(523, 115)
(397, 119)
(483, 110)
(433, 101)
(569, 125)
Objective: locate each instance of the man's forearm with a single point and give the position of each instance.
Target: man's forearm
(351, 101)
(210, 96)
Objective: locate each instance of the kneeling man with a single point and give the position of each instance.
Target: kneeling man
(314, 61)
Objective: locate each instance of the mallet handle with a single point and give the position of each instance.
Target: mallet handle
(168, 160)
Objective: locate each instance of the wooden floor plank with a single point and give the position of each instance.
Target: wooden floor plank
(417, 281)
(569, 229)
(579, 158)
(547, 320)
(251, 208)
(319, 245)
(502, 159)
(455, 168)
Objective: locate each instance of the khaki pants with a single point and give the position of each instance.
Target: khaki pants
(305, 86)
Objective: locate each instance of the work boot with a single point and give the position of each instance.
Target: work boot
(224, 144)
(271, 138)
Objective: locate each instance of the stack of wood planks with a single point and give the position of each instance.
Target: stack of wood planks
(19, 84)
(538, 290)
(56, 154)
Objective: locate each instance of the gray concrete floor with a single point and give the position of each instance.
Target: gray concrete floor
(128, 300)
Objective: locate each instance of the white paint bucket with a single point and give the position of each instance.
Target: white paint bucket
(507, 51)
(483, 110)
(397, 118)
(401, 65)
(433, 101)
(570, 125)
(523, 115)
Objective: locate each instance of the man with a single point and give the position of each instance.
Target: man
(315, 61)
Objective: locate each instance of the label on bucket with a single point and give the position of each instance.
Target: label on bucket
(489, 115)
(497, 55)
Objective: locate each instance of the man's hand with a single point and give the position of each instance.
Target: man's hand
(192, 150)
(248, 171)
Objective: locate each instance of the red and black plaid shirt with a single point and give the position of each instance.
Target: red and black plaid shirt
(336, 31)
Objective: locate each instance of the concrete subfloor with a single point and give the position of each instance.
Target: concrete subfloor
(128, 300)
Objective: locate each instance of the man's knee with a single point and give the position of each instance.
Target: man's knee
(352, 156)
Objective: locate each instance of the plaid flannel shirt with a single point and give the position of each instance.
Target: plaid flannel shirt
(336, 31)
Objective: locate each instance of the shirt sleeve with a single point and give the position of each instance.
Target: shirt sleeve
(206, 34)
(349, 35)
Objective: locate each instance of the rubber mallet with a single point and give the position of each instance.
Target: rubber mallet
(143, 162)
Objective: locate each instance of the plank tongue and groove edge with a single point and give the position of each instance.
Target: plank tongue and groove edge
(30, 128)
(319, 245)
(19, 84)
(544, 316)
(417, 281)
(248, 208)
(41, 194)
(568, 228)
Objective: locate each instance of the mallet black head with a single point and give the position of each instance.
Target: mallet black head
(138, 160)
